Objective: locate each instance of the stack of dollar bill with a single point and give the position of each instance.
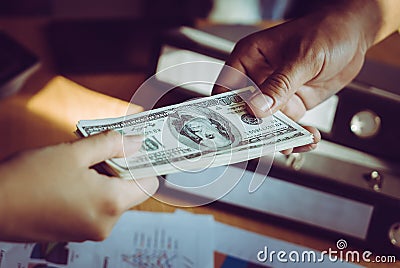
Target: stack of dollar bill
(198, 134)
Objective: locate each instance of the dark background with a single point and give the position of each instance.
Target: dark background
(95, 36)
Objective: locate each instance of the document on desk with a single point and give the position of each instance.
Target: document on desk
(168, 240)
(31, 255)
(204, 132)
(241, 246)
(144, 239)
(139, 239)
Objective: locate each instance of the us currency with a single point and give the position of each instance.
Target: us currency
(198, 134)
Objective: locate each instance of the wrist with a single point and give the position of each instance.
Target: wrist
(374, 19)
(352, 21)
(361, 15)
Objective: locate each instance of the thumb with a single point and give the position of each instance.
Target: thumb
(106, 145)
(278, 88)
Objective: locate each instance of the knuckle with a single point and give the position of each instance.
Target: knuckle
(319, 54)
(93, 226)
(240, 44)
(314, 56)
(317, 59)
(245, 44)
(100, 232)
(98, 227)
(99, 221)
(113, 207)
(280, 85)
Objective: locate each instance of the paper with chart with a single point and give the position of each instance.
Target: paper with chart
(162, 240)
(139, 239)
(142, 239)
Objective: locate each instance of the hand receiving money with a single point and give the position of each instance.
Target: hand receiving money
(52, 194)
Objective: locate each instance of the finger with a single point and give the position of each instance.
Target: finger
(315, 132)
(294, 108)
(279, 87)
(134, 192)
(287, 151)
(304, 148)
(226, 78)
(311, 146)
(231, 77)
(106, 145)
(307, 147)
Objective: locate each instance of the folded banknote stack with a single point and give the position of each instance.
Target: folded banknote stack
(198, 134)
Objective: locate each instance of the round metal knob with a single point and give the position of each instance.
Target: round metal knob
(394, 234)
(365, 124)
(374, 180)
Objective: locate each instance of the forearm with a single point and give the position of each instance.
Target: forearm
(377, 18)
(389, 11)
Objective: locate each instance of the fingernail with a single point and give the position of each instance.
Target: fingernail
(132, 143)
(262, 102)
(317, 137)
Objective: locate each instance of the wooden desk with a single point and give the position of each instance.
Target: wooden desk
(45, 113)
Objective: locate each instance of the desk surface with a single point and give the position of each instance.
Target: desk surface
(39, 115)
